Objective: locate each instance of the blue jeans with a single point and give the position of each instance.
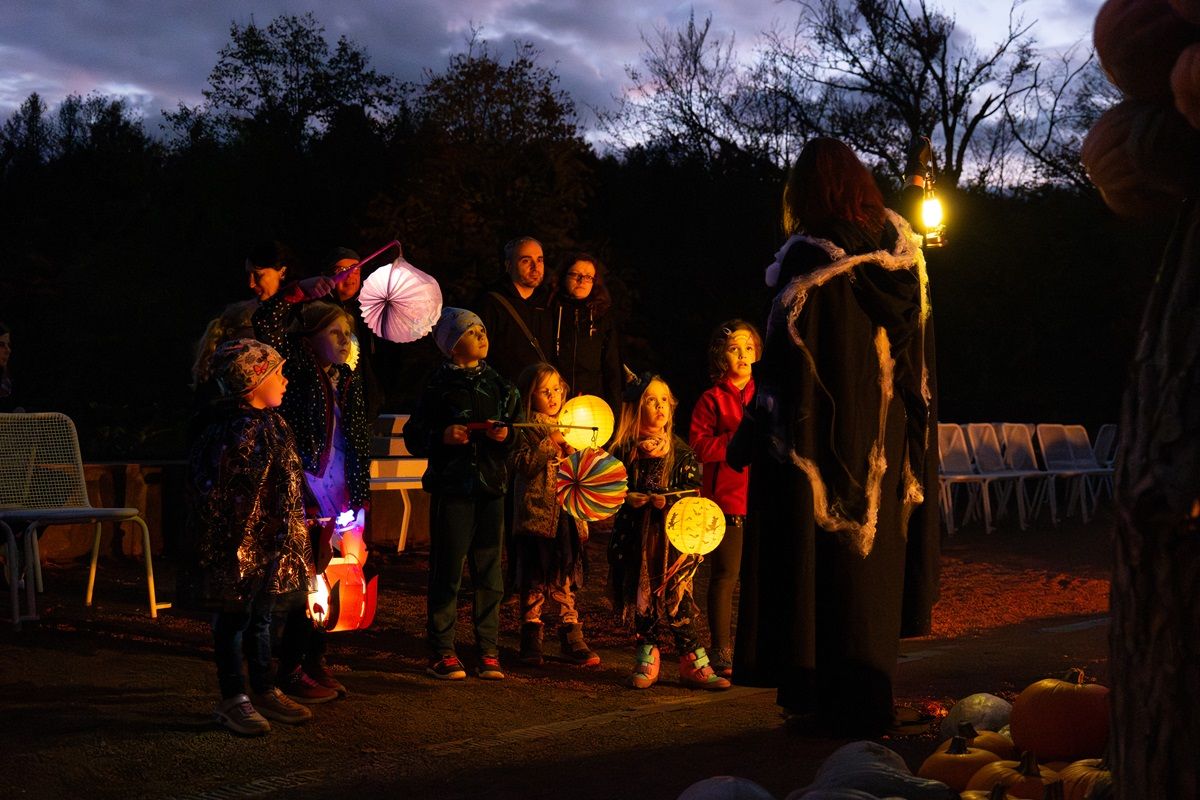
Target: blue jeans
(465, 530)
(248, 631)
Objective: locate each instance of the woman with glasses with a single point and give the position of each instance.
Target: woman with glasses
(586, 342)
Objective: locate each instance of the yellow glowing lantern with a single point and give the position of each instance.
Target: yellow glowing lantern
(695, 525)
(933, 217)
(591, 422)
(343, 599)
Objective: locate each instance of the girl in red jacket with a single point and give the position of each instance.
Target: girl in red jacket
(733, 347)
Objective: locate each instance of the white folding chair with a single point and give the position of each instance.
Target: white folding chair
(991, 464)
(957, 470)
(1098, 477)
(1106, 445)
(1020, 455)
(41, 484)
(1060, 459)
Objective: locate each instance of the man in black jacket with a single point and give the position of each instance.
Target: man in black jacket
(514, 310)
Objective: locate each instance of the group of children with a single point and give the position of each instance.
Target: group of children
(283, 442)
(462, 425)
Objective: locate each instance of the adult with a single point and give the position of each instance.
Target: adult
(8, 403)
(586, 344)
(514, 310)
(344, 266)
(266, 269)
(841, 541)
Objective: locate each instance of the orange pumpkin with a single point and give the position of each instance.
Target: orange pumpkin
(991, 741)
(955, 765)
(1144, 158)
(1185, 84)
(995, 793)
(1138, 41)
(1083, 779)
(1188, 9)
(1061, 719)
(1024, 778)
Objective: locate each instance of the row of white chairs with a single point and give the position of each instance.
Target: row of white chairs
(992, 462)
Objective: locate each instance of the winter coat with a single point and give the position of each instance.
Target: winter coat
(587, 350)
(457, 396)
(534, 461)
(510, 350)
(715, 419)
(308, 404)
(245, 492)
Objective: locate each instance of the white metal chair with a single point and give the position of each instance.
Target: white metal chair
(955, 470)
(1097, 475)
(1020, 455)
(1061, 459)
(991, 464)
(41, 484)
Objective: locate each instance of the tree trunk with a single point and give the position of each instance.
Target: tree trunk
(1155, 602)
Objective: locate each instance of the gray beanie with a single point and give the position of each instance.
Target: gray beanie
(450, 327)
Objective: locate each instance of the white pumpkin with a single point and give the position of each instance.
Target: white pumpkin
(986, 712)
(876, 770)
(725, 787)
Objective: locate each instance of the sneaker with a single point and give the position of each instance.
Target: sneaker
(237, 714)
(575, 648)
(274, 704)
(489, 669)
(695, 671)
(531, 644)
(300, 686)
(645, 667)
(448, 668)
(324, 676)
(722, 662)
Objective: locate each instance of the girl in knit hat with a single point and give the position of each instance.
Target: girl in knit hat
(245, 494)
(455, 426)
(326, 409)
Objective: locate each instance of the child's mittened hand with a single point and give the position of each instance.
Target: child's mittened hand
(456, 434)
(497, 433)
(658, 500)
(636, 499)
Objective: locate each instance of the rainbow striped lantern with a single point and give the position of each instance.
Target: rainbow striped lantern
(695, 525)
(591, 484)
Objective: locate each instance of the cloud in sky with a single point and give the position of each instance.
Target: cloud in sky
(158, 54)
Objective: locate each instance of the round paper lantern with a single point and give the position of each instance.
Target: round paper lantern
(695, 525)
(588, 412)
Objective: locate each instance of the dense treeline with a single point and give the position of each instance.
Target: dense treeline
(117, 244)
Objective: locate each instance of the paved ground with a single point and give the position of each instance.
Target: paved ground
(104, 702)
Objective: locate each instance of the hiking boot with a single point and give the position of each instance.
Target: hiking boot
(531, 644)
(575, 648)
(324, 676)
(300, 686)
(696, 672)
(645, 667)
(489, 669)
(275, 705)
(446, 667)
(237, 714)
(722, 662)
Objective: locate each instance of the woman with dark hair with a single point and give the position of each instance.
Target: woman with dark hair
(841, 543)
(586, 344)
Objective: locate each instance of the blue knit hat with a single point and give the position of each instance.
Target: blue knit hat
(450, 327)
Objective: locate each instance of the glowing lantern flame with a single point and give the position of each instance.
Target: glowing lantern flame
(931, 212)
(593, 418)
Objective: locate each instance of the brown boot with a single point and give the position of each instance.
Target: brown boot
(531, 644)
(575, 648)
(695, 671)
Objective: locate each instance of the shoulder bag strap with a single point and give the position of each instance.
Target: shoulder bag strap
(520, 323)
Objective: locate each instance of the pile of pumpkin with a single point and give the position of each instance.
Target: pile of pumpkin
(1144, 153)
(993, 754)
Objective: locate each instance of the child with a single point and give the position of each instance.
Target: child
(326, 409)
(733, 347)
(549, 543)
(659, 463)
(245, 493)
(454, 427)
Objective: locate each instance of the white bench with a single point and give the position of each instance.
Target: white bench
(393, 467)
